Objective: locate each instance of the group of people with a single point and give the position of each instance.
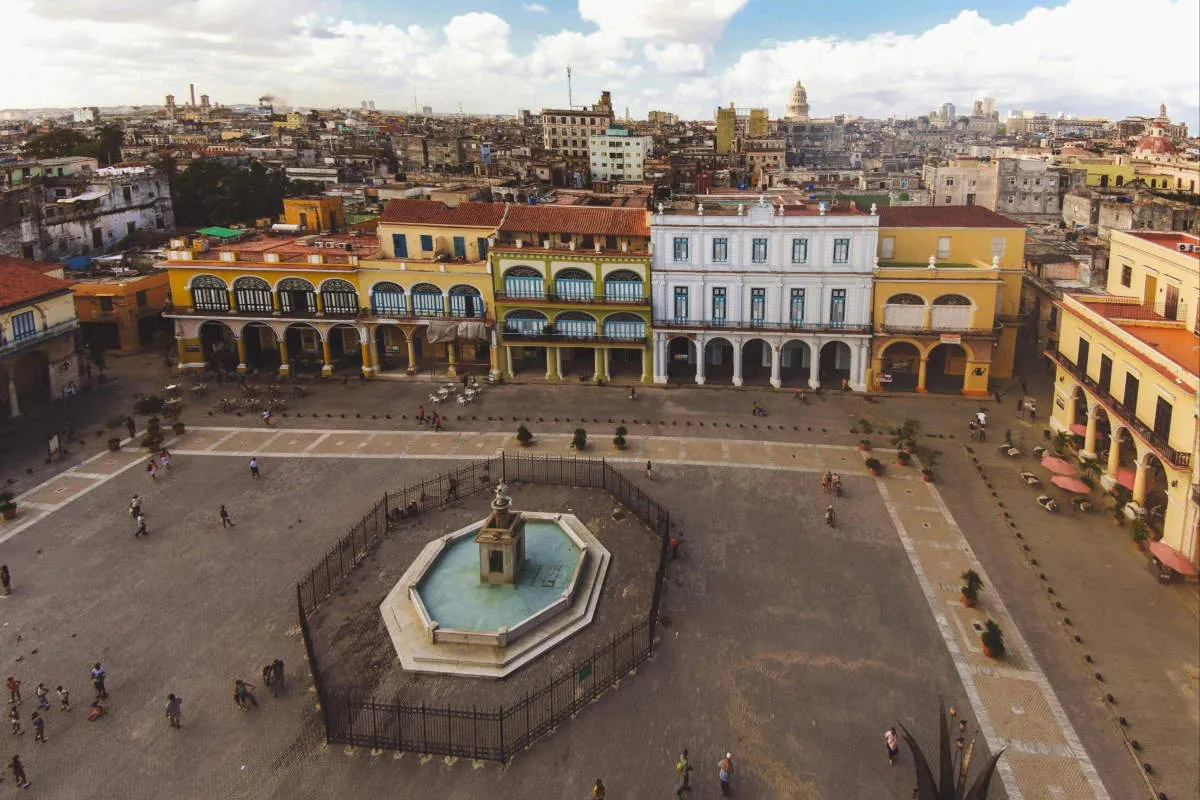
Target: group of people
(161, 461)
(434, 419)
(831, 483)
(683, 770)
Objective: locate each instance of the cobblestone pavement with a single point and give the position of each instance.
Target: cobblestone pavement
(294, 739)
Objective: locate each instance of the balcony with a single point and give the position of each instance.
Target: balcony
(14, 346)
(544, 338)
(1114, 407)
(732, 325)
(362, 314)
(929, 330)
(569, 299)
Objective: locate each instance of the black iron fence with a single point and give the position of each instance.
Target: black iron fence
(488, 734)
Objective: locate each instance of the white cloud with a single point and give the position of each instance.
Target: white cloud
(676, 58)
(536, 8)
(673, 20)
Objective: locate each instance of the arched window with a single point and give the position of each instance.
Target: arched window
(623, 286)
(465, 301)
(524, 283)
(574, 285)
(522, 322)
(904, 311)
(339, 297)
(209, 293)
(951, 312)
(952, 300)
(575, 325)
(388, 299)
(624, 326)
(427, 300)
(253, 294)
(905, 300)
(296, 296)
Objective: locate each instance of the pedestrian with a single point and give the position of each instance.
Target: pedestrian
(1032, 410)
(14, 691)
(6, 579)
(135, 506)
(99, 675)
(131, 426)
(254, 467)
(277, 675)
(152, 468)
(892, 742)
(173, 710)
(598, 790)
(40, 694)
(829, 516)
(18, 771)
(64, 697)
(675, 542)
(96, 711)
(164, 458)
(649, 471)
(1020, 405)
(632, 393)
(14, 716)
(243, 693)
(725, 773)
(226, 522)
(266, 417)
(683, 768)
(452, 489)
(141, 526)
(39, 727)
(1024, 389)
(421, 415)
(437, 422)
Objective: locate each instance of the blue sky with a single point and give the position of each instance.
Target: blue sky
(864, 57)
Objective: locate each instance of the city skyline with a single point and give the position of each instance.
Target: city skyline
(496, 57)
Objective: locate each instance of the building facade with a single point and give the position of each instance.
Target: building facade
(38, 353)
(947, 299)
(764, 294)
(121, 312)
(617, 155)
(573, 293)
(566, 130)
(1126, 380)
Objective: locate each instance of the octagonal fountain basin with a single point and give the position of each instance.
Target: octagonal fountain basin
(443, 618)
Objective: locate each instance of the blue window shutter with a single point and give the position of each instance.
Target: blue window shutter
(400, 245)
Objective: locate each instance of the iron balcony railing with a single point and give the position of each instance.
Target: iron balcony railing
(1123, 412)
(556, 297)
(9, 346)
(931, 330)
(734, 325)
(365, 314)
(553, 337)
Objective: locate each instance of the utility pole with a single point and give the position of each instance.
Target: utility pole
(570, 95)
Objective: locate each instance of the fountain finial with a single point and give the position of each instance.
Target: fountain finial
(502, 499)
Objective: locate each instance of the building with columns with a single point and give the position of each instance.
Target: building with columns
(39, 362)
(1126, 378)
(572, 291)
(762, 293)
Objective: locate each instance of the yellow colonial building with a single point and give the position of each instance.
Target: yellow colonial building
(1126, 380)
(947, 294)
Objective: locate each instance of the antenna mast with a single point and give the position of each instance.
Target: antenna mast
(570, 95)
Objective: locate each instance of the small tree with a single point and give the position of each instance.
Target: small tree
(1140, 532)
(619, 439)
(864, 426)
(948, 783)
(579, 441)
(874, 466)
(524, 437)
(992, 639)
(972, 584)
(906, 433)
(1061, 442)
(149, 406)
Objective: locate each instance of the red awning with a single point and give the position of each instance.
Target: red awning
(1058, 465)
(1077, 429)
(1125, 478)
(1071, 484)
(1170, 557)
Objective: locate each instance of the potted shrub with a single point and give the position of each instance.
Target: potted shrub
(149, 406)
(1061, 442)
(902, 458)
(1140, 532)
(874, 466)
(864, 444)
(579, 440)
(8, 506)
(152, 441)
(905, 436)
(972, 583)
(992, 640)
(114, 443)
(524, 437)
(619, 439)
(1120, 497)
(929, 458)
(864, 426)
(179, 428)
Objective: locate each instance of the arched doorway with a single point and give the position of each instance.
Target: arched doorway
(904, 312)
(31, 377)
(520, 326)
(951, 312)
(623, 286)
(718, 361)
(795, 363)
(681, 360)
(262, 347)
(523, 283)
(1103, 433)
(344, 350)
(208, 293)
(388, 300)
(834, 364)
(946, 369)
(756, 362)
(218, 346)
(625, 362)
(427, 300)
(304, 349)
(901, 361)
(253, 294)
(578, 326)
(466, 301)
(392, 348)
(339, 298)
(1156, 494)
(296, 296)
(574, 285)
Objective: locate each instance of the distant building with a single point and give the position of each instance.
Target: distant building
(616, 155)
(38, 361)
(797, 108)
(566, 131)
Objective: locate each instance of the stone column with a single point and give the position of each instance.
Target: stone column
(364, 349)
(508, 367)
(921, 370)
(14, 402)
(452, 358)
(181, 354)
(326, 357)
(1139, 482)
(700, 361)
(412, 351)
(1114, 458)
(649, 365)
(1089, 438)
(814, 364)
(241, 351)
(553, 364)
(737, 363)
(775, 359)
(284, 366)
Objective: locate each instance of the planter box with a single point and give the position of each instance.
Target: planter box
(114, 445)
(9, 513)
(179, 428)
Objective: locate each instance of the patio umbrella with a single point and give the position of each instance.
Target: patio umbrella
(1071, 484)
(1058, 465)
(1172, 558)
(1125, 477)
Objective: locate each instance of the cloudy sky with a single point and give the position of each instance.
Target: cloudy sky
(869, 57)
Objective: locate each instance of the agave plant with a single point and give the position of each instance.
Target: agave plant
(949, 783)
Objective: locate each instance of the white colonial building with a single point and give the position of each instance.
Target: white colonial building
(617, 155)
(763, 294)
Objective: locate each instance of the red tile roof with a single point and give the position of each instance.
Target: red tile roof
(1170, 240)
(574, 219)
(434, 212)
(944, 217)
(22, 281)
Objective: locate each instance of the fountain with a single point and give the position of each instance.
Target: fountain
(490, 597)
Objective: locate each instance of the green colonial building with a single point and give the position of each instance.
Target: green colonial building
(573, 293)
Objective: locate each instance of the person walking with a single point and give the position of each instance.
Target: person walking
(649, 471)
(243, 694)
(99, 676)
(14, 691)
(829, 516)
(174, 710)
(152, 469)
(892, 742)
(632, 393)
(18, 770)
(130, 426)
(141, 526)
(39, 727)
(598, 790)
(683, 768)
(266, 417)
(725, 773)
(421, 415)
(254, 468)
(135, 506)
(6, 579)
(437, 422)
(277, 676)
(64, 698)
(226, 522)
(14, 716)
(452, 488)
(164, 458)
(40, 694)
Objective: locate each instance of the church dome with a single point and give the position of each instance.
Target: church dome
(1154, 145)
